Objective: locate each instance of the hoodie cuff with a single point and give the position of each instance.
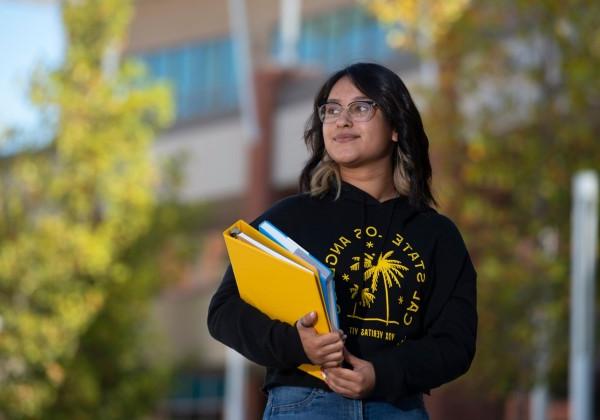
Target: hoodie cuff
(292, 348)
(387, 378)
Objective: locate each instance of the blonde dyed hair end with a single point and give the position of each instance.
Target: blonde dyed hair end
(327, 175)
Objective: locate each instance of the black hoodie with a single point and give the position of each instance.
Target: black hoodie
(405, 286)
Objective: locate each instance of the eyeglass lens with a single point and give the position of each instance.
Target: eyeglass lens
(358, 111)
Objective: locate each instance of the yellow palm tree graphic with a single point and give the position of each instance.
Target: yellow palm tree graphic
(366, 297)
(367, 262)
(356, 265)
(389, 270)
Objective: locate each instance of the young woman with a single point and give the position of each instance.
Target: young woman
(405, 283)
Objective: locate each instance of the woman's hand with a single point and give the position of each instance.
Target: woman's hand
(325, 350)
(356, 383)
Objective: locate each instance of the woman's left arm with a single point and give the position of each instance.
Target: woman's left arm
(447, 349)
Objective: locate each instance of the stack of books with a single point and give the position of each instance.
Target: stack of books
(280, 278)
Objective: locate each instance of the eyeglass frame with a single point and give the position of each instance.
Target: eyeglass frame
(370, 102)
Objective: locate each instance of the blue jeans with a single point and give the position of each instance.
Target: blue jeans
(292, 402)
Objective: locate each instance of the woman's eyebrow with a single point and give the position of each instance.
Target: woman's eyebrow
(356, 98)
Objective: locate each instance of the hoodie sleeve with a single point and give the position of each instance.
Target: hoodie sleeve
(448, 346)
(247, 330)
(253, 334)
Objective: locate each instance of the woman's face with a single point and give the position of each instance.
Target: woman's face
(354, 144)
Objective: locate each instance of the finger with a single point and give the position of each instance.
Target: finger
(329, 346)
(306, 333)
(342, 334)
(329, 353)
(308, 320)
(330, 370)
(332, 360)
(328, 360)
(331, 364)
(335, 388)
(345, 374)
(330, 380)
(340, 384)
(344, 387)
(322, 348)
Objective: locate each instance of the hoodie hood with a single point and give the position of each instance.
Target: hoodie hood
(403, 210)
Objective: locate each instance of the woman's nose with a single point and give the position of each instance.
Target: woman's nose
(344, 119)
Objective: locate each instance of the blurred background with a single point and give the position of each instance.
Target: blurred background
(132, 133)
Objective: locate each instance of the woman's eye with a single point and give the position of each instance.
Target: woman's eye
(360, 108)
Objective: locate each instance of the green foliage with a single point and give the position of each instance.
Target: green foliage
(70, 211)
(512, 119)
(121, 369)
(517, 175)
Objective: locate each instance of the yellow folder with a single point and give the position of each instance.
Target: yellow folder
(282, 290)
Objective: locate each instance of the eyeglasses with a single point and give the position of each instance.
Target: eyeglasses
(359, 111)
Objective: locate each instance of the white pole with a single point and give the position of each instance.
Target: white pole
(235, 385)
(539, 401)
(584, 221)
(289, 28)
(236, 369)
(244, 70)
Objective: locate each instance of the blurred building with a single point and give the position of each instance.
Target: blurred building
(188, 43)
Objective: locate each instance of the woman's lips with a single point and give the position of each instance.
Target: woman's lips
(343, 138)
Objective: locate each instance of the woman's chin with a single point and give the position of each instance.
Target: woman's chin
(342, 157)
(348, 162)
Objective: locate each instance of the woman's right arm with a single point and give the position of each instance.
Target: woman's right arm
(253, 334)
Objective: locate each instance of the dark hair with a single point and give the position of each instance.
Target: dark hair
(410, 155)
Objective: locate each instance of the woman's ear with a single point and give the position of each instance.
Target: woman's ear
(395, 136)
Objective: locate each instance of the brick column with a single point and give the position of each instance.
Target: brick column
(259, 192)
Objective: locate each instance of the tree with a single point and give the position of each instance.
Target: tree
(121, 369)
(417, 24)
(512, 120)
(70, 211)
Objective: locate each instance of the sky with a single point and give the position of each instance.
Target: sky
(30, 34)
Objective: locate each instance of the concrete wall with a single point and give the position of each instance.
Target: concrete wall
(289, 151)
(214, 154)
(213, 158)
(163, 23)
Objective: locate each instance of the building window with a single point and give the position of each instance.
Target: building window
(196, 395)
(201, 75)
(341, 37)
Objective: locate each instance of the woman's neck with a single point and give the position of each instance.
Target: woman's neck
(378, 184)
